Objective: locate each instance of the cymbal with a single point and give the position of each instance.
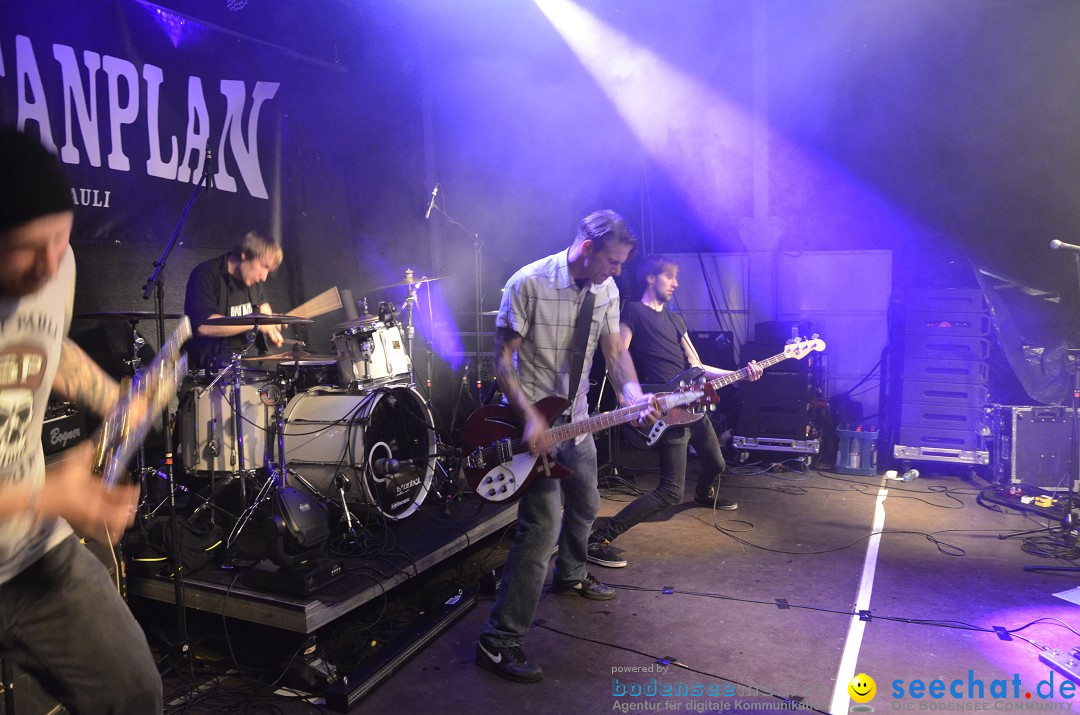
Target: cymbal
(304, 361)
(358, 321)
(259, 319)
(278, 357)
(490, 312)
(272, 362)
(130, 315)
(402, 284)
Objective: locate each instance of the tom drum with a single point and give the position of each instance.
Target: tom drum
(207, 425)
(371, 353)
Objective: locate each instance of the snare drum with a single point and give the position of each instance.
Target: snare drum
(330, 431)
(371, 354)
(207, 427)
(305, 374)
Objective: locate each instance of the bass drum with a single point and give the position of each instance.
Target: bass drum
(329, 432)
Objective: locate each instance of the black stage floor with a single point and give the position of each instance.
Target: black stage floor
(386, 554)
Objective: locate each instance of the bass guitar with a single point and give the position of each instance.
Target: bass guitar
(497, 464)
(645, 437)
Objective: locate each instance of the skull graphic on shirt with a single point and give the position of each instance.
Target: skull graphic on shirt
(16, 411)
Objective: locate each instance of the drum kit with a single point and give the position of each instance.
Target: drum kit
(349, 426)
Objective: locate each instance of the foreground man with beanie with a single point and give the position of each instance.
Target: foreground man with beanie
(61, 617)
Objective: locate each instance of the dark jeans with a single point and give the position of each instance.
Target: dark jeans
(669, 492)
(64, 623)
(577, 501)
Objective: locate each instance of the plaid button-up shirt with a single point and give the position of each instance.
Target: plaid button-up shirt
(541, 304)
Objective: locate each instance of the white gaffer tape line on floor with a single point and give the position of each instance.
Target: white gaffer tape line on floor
(850, 657)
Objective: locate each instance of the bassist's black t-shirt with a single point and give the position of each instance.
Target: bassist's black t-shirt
(656, 346)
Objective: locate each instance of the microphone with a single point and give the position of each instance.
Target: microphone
(209, 170)
(1062, 246)
(389, 465)
(431, 204)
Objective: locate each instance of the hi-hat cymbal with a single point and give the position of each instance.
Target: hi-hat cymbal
(402, 284)
(130, 315)
(259, 319)
(364, 319)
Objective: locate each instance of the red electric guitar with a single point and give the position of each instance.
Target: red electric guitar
(498, 466)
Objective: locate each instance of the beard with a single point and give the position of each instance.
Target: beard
(21, 286)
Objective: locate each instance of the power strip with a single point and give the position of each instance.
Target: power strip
(1068, 664)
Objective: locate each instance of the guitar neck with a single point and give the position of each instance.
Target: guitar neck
(604, 420)
(743, 373)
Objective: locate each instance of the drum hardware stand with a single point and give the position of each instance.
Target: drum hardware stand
(155, 285)
(236, 368)
(135, 363)
(277, 474)
(447, 491)
(410, 331)
(341, 484)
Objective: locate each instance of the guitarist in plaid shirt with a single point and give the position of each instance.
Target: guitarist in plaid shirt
(534, 349)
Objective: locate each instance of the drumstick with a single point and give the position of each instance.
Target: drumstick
(321, 304)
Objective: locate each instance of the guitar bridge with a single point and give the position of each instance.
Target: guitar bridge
(501, 451)
(475, 460)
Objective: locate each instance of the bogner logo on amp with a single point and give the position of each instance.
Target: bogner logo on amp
(64, 426)
(59, 438)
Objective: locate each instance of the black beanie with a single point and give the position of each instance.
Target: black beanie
(31, 182)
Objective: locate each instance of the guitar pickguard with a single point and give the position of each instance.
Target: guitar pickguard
(504, 480)
(654, 433)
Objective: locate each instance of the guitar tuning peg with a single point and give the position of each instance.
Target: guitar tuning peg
(815, 336)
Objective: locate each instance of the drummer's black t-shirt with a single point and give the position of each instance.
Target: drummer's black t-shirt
(656, 345)
(212, 289)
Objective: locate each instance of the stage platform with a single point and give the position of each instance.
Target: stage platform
(406, 549)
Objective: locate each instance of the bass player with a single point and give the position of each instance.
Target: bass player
(658, 343)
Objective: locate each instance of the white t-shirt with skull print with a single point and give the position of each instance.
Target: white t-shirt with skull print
(32, 329)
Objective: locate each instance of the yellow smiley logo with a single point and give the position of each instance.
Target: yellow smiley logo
(862, 688)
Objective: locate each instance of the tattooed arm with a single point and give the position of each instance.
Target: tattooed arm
(535, 435)
(624, 377)
(80, 380)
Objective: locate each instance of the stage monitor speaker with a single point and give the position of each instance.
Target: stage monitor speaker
(715, 347)
(1033, 446)
(779, 332)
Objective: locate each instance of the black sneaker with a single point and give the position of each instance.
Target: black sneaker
(590, 588)
(601, 554)
(510, 663)
(711, 501)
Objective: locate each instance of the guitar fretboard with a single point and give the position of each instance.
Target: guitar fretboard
(743, 373)
(620, 416)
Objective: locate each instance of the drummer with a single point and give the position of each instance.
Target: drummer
(231, 285)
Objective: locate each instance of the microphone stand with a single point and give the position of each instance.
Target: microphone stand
(155, 285)
(477, 245)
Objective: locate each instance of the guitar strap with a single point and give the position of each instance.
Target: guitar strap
(581, 339)
(679, 332)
